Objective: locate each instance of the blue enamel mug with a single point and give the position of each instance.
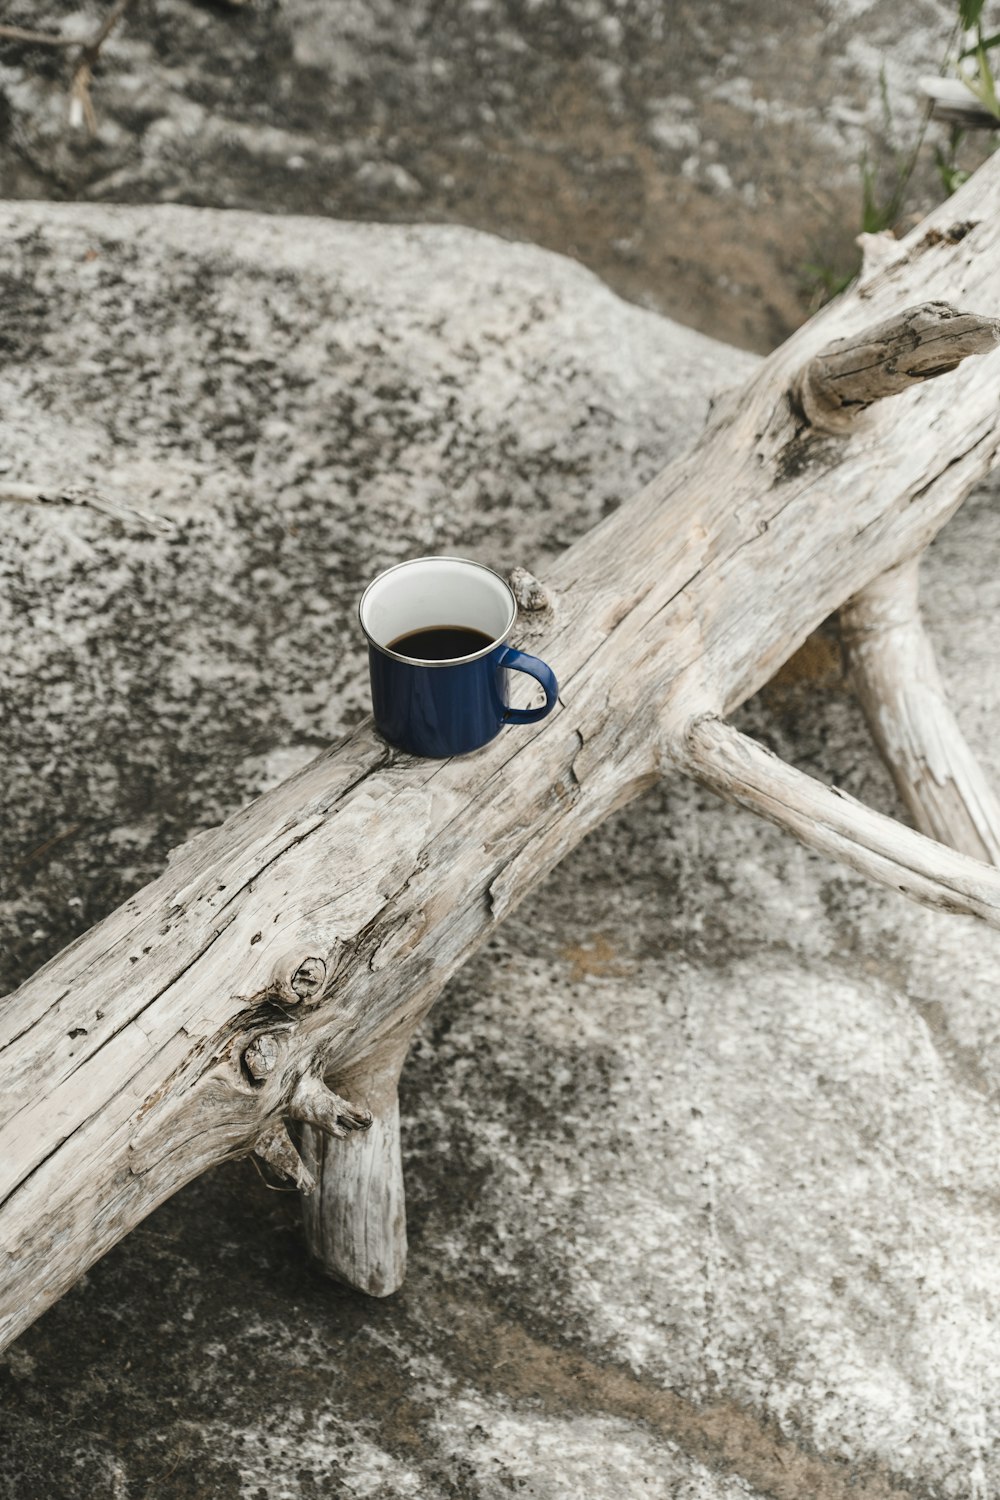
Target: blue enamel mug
(437, 631)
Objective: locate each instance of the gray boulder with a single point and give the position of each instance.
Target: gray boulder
(270, 412)
(703, 159)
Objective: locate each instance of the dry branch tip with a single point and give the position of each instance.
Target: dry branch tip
(315, 1104)
(917, 344)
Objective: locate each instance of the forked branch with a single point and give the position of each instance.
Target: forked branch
(81, 108)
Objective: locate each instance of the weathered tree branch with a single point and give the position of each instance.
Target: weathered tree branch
(826, 819)
(849, 375)
(355, 1225)
(328, 915)
(90, 499)
(81, 107)
(900, 689)
(37, 38)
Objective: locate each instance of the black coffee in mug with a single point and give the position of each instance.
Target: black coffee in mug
(441, 643)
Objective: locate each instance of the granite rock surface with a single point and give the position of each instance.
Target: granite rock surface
(258, 415)
(704, 159)
(700, 1151)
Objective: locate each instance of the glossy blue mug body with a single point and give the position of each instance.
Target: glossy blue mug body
(444, 708)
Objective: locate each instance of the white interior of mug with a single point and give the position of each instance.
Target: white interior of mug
(436, 591)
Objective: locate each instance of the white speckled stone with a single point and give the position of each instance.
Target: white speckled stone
(702, 159)
(305, 403)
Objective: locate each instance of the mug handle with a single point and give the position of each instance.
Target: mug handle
(520, 661)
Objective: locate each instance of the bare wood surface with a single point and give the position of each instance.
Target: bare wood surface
(838, 384)
(355, 1224)
(826, 819)
(327, 916)
(877, 250)
(898, 683)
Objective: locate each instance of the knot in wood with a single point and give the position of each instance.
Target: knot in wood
(260, 1057)
(309, 978)
(531, 595)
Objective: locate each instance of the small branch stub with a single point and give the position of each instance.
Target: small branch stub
(312, 1103)
(317, 1105)
(308, 979)
(852, 373)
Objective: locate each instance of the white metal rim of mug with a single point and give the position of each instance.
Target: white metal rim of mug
(394, 604)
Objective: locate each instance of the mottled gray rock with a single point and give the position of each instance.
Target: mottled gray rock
(701, 1150)
(701, 158)
(302, 403)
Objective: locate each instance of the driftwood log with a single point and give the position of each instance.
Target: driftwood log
(262, 993)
